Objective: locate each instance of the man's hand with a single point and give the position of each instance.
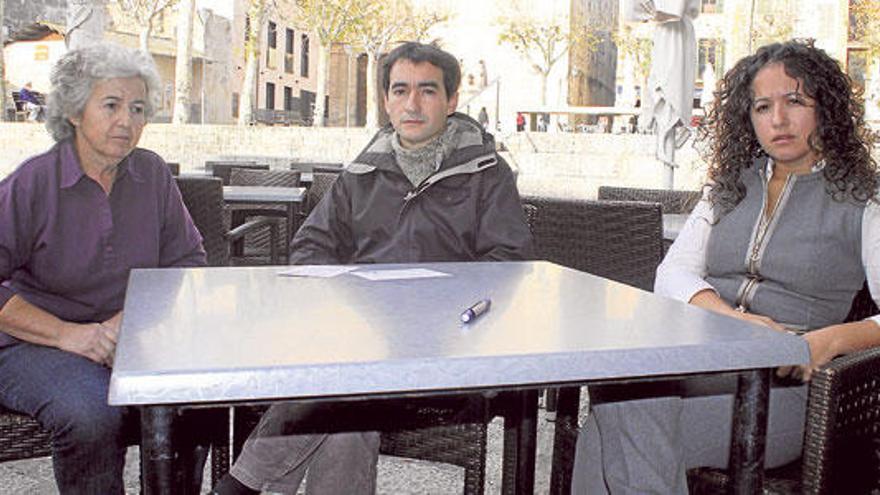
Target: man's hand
(95, 341)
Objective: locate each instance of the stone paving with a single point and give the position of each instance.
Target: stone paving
(396, 475)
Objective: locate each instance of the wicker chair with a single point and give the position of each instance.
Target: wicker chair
(203, 197)
(321, 183)
(671, 201)
(841, 452)
(257, 246)
(174, 167)
(223, 169)
(618, 240)
(328, 167)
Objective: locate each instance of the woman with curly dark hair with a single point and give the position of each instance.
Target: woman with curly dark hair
(786, 234)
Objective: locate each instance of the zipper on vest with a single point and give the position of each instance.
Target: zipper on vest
(753, 276)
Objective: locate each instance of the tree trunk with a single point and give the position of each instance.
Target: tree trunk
(183, 66)
(594, 68)
(144, 36)
(85, 22)
(2, 65)
(372, 92)
(249, 87)
(321, 92)
(247, 102)
(544, 76)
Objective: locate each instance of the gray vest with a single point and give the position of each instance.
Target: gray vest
(809, 266)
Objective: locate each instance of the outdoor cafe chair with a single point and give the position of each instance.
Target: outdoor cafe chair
(671, 201)
(174, 167)
(203, 197)
(223, 169)
(841, 452)
(329, 167)
(617, 240)
(321, 184)
(257, 246)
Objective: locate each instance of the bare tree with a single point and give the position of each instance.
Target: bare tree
(334, 21)
(183, 66)
(383, 24)
(256, 17)
(85, 22)
(144, 13)
(865, 25)
(2, 62)
(541, 40)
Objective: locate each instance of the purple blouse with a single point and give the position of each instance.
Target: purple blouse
(67, 247)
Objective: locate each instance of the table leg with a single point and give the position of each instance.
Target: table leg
(520, 441)
(565, 438)
(157, 450)
(292, 217)
(749, 432)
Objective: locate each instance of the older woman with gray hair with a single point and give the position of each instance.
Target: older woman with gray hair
(73, 222)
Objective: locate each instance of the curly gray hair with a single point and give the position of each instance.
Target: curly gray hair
(74, 76)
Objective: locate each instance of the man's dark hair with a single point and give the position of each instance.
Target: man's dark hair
(418, 53)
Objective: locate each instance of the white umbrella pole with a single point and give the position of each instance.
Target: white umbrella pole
(668, 174)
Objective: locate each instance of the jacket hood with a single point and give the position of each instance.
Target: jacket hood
(473, 143)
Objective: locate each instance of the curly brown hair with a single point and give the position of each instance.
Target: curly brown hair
(841, 137)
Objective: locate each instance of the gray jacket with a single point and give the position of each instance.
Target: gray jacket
(468, 210)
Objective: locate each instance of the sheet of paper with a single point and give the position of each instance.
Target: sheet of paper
(316, 271)
(400, 274)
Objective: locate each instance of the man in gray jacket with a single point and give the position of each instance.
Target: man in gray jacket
(428, 187)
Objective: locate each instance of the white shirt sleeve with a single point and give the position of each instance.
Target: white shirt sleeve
(683, 270)
(871, 251)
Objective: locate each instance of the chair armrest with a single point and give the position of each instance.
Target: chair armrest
(841, 431)
(239, 232)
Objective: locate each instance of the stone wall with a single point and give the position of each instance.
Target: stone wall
(553, 164)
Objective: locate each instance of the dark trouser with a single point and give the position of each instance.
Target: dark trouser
(67, 394)
(278, 454)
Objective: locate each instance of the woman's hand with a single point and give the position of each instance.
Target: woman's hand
(759, 319)
(95, 341)
(832, 341)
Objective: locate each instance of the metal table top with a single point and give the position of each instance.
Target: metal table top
(263, 194)
(227, 334)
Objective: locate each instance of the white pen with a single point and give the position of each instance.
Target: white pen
(476, 310)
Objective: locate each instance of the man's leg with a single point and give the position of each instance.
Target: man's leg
(345, 463)
(277, 455)
(67, 394)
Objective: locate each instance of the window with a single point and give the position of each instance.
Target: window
(304, 58)
(288, 41)
(288, 51)
(234, 105)
(711, 6)
(270, 96)
(288, 98)
(272, 35)
(710, 52)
